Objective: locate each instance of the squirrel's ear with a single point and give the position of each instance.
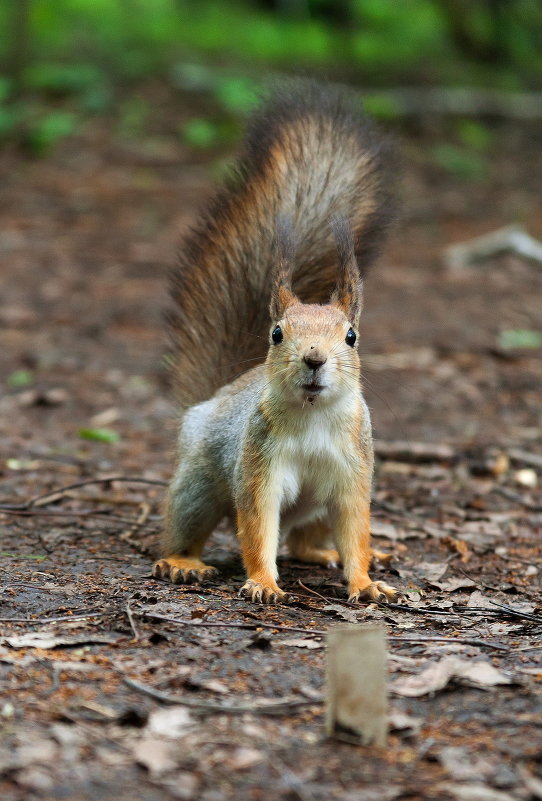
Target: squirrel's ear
(348, 293)
(281, 294)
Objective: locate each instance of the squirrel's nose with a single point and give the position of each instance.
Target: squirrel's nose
(314, 360)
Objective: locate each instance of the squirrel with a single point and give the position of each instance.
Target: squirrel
(269, 289)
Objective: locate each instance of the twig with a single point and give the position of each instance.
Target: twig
(263, 706)
(296, 785)
(525, 457)
(141, 520)
(328, 600)
(130, 616)
(512, 239)
(510, 495)
(462, 640)
(85, 483)
(86, 513)
(226, 624)
(515, 613)
(314, 632)
(496, 589)
(405, 451)
(414, 610)
(64, 618)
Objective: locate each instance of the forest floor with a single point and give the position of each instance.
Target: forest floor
(87, 237)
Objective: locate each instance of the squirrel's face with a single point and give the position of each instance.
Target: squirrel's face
(312, 355)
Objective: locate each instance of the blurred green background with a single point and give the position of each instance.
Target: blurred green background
(64, 61)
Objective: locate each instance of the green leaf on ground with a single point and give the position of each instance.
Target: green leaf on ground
(20, 378)
(99, 434)
(520, 338)
(9, 554)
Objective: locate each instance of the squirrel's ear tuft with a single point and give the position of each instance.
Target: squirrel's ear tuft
(281, 294)
(348, 293)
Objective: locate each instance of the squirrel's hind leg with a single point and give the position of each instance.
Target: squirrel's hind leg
(193, 511)
(307, 544)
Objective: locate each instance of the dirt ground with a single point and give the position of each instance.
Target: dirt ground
(87, 237)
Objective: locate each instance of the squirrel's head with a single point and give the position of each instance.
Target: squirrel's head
(313, 355)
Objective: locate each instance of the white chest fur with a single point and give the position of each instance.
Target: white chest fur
(313, 460)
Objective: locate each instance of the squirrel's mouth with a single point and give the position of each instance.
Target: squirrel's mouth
(313, 388)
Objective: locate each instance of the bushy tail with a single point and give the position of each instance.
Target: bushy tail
(309, 154)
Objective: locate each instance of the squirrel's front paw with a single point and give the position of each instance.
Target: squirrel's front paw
(377, 591)
(262, 593)
(183, 570)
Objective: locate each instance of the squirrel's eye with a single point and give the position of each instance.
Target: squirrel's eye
(276, 336)
(350, 338)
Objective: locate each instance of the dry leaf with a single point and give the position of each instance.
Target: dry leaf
(302, 643)
(431, 571)
(438, 674)
(243, 758)
(458, 546)
(478, 599)
(533, 784)
(155, 755)
(381, 529)
(474, 792)
(461, 765)
(171, 722)
(350, 615)
(399, 721)
(46, 641)
(453, 584)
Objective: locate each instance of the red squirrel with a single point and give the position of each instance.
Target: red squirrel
(275, 431)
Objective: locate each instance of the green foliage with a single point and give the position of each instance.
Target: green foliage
(48, 129)
(474, 135)
(99, 434)
(381, 107)
(458, 161)
(78, 45)
(200, 133)
(133, 116)
(236, 94)
(79, 51)
(520, 338)
(19, 379)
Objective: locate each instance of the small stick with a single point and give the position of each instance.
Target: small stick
(327, 600)
(145, 510)
(129, 615)
(514, 613)
(314, 632)
(103, 515)
(512, 239)
(510, 495)
(127, 479)
(225, 624)
(462, 640)
(64, 618)
(263, 706)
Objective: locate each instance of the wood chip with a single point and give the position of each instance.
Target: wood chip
(356, 700)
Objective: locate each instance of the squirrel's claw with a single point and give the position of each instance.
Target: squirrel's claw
(376, 591)
(183, 570)
(262, 594)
